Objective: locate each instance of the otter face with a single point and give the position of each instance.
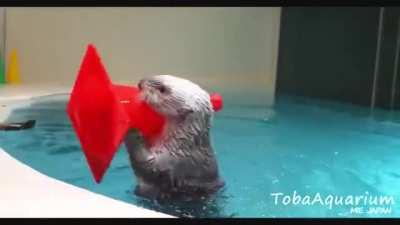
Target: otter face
(173, 96)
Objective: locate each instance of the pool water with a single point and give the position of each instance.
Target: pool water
(300, 145)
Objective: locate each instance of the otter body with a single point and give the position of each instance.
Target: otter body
(180, 163)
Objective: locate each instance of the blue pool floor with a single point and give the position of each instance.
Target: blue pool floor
(303, 145)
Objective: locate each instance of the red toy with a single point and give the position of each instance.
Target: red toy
(102, 113)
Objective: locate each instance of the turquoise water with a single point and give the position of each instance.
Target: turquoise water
(300, 144)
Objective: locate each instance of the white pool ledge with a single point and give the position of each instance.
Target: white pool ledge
(25, 192)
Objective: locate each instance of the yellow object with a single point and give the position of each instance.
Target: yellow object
(13, 69)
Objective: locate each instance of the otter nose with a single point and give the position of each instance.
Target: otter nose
(141, 84)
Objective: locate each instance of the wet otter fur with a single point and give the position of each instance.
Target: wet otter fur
(180, 163)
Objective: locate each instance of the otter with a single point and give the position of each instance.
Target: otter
(180, 163)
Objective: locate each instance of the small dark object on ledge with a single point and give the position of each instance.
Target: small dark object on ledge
(18, 126)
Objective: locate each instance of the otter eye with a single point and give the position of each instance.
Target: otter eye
(158, 85)
(162, 88)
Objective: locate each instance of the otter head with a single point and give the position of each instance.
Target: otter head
(174, 97)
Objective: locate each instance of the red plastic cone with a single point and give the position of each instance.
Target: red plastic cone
(97, 116)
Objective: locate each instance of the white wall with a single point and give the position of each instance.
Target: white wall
(229, 50)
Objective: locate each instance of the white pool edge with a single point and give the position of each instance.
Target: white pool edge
(26, 192)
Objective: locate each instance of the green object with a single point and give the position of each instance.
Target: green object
(2, 72)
